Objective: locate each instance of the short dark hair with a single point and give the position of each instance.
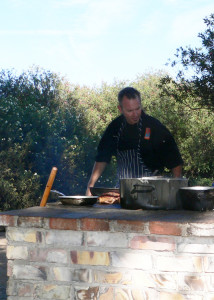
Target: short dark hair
(130, 93)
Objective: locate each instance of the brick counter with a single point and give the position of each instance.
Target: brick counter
(106, 253)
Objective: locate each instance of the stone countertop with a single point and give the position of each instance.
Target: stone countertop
(113, 212)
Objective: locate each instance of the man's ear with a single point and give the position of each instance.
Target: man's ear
(120, 108)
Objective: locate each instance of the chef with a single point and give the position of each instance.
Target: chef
(142, 145)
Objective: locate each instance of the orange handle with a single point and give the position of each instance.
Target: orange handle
(48, 186)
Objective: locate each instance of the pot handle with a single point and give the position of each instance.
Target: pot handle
(150, 188)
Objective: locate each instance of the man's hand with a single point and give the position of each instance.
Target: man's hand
(177, 171)
(88, 192)
(98, 169)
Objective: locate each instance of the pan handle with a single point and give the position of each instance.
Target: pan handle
(57, 193)
(146, 188)
(48, 187)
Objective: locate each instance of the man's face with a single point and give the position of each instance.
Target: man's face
(131, 109)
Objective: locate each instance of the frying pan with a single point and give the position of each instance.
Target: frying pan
(98, 191)
(75, 200)
(78, 200)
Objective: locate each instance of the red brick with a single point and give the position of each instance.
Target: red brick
(129, 226)
(63, 224)
(6, 220)
(167, 228)
(152, 243)
(30, 222)
(94, 225)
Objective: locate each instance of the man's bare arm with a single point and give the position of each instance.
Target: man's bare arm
(177, 171)
(97, 171)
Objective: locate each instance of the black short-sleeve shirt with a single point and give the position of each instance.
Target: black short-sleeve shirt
(158, 148)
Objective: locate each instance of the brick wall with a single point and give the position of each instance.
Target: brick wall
(55, 258)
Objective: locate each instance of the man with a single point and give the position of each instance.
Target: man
(141, 144)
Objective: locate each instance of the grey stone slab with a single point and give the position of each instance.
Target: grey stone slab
(112, 213)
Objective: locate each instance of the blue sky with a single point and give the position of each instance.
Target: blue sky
(95, 41)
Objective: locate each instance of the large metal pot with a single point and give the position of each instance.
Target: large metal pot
(198, 198)
(155, 192)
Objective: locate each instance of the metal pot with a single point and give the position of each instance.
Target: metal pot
(155, 192)
(198, 198)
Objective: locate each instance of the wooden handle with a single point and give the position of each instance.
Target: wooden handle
(48, 186)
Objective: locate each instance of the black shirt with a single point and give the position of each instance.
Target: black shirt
(157, 146)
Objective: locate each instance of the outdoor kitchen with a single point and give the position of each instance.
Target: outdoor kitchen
(117, 99)
(108, 251)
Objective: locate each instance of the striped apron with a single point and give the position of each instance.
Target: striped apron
(129, 162)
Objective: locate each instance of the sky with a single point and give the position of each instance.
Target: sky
(95, 41)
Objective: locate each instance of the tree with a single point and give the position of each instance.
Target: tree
(45, 121)
(200, 63)
(33, 133)
(192, 128)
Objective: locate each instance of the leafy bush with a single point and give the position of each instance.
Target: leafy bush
(45, 121)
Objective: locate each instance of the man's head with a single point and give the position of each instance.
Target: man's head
(130, 104)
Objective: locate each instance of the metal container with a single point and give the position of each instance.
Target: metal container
(199, 198)
(154, 192)
(75, 200)
(78, 200)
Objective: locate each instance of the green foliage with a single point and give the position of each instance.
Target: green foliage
(33, 132)
(18, 187)
(195, 97)
(192, 129)
(46, 122)
(200, 181)
(200, 63)
(97, 108)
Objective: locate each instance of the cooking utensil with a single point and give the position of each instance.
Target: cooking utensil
(155, 192)
(57, 193)
(200, 198)
(48, 187)
(75, 200)
(98, 191)
(78, 200)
